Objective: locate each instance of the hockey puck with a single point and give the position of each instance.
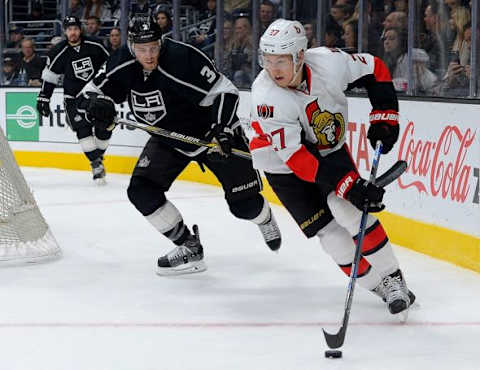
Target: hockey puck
(333, 354)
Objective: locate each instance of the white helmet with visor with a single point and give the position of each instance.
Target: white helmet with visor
(283, 37)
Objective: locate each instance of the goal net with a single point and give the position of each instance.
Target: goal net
(24, 233)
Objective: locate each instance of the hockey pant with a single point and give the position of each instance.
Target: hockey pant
(94, 142)
(335, 221)
(158, 167)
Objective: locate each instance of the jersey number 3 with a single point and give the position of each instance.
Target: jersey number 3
(208, 73)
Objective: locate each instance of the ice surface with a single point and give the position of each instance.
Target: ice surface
(102, 306)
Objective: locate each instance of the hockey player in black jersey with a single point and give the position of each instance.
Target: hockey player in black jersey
(78, 58)
(175, 86)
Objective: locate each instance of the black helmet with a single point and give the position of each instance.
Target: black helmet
(143, 29)
(71, 20)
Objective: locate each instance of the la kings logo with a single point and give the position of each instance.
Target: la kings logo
(149, 107)
(83, 68)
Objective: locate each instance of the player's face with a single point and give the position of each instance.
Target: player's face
(280, 68)
(73, 34)
(147, 54)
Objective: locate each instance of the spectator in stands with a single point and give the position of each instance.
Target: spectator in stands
(227, 48)
(459, 18)
(93, 27)
(76, 9)
(231, 5)
(10, 73)
(401, 6)
(163, 17)
(241, 53)
(333, 34)
(205, 35)
(114, 41)
(340, 13)
(140, 7)
(350, 35)
(395, 20)
(433, 40)
(396, 59)
(310, 33)
(456, 81)
(96, 8)
(31, 63)
(267, 14)
(453, 4)
(16, 37)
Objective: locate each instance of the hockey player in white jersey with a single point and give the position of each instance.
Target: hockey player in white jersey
(298, 120)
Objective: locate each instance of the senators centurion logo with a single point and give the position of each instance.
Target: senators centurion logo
(329, 128)
(265, 111)
(83, 68)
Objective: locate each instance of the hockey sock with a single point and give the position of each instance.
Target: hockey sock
(168, 220)
(376, 248)
(265, 214)
(337, 242)
(89, 147)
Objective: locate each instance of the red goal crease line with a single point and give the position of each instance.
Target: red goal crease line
(246, 325)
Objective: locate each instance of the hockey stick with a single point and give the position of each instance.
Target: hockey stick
(391, 174)
(336, 340)
(177, 136)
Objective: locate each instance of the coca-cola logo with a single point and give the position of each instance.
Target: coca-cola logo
(438, 167)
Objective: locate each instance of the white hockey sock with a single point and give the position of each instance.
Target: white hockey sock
(168, 220)
(375, 247)
(338, 243)
(88, 144)
(101, 144)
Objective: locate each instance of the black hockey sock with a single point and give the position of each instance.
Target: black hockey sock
(178, 234)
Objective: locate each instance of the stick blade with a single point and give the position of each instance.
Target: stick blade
(335, 340)
(392, 174)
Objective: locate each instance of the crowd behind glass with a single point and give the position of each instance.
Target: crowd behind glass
(440, 59)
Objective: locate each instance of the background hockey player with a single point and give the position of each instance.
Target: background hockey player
(78, 58)
(299, 116)
(175, 86)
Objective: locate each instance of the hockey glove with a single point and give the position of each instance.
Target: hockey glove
(43, 105)
(383, 127)
(364, 193)
(223, 137)
(101, 112)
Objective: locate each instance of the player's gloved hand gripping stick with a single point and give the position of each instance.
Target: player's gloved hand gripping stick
(336, 340)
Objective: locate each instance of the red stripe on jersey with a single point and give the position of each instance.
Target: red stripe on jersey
(374, 240)
(363, 268)
(260, 141)
(380, 71)
(309, 78)
(303, 164)
(345, 184)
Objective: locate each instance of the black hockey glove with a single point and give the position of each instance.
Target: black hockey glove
(383, 127)
(101, 111)
(223, 136)
(43, 105)
(362, 193)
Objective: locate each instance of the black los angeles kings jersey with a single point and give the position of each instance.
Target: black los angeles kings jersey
(78, 64)
(185, 94)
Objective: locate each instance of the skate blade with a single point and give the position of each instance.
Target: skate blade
(188, 268)
(100, 182)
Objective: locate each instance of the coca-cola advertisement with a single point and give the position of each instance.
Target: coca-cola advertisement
(441, 144)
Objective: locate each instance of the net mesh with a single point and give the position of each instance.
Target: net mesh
(24, 233)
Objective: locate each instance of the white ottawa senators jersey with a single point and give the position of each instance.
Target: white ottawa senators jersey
(316, 111)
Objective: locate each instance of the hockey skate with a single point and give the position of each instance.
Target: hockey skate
(393, 290)
(98, 171)
(271, 233)
(184, 259)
